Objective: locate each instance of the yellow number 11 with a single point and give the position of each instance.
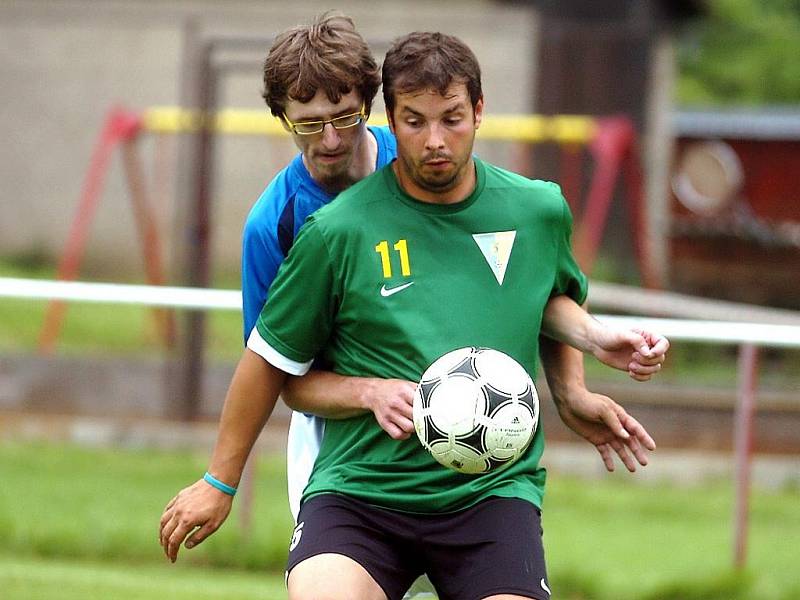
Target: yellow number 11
(402, 248)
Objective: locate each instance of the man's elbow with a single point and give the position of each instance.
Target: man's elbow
(290, 396)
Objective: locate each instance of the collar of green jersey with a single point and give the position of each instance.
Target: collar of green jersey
(437, 209)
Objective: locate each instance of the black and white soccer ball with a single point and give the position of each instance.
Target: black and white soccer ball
(476, 410)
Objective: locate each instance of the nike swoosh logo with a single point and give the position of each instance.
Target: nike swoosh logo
(544, 587)
(386, 292)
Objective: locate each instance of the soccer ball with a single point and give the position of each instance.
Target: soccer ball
(475, 410)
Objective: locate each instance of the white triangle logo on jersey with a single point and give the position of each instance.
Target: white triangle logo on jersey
(496, 249)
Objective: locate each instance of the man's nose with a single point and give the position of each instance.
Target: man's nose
(435, 139)
(330, 136)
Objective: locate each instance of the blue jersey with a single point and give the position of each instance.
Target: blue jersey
(275, 219)
(269, 232)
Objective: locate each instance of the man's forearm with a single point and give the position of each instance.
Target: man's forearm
(563, 368)
(566, 321)
(333, 396)
(327, 394)
(249, 402)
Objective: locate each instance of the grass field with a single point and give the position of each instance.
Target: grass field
(107, 329)
(45, 579)
(81, 523)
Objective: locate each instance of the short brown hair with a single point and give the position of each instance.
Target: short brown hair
(328, 54)
(426, 60)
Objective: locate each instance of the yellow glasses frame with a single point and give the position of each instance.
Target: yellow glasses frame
(315, 127)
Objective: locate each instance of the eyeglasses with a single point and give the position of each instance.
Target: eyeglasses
(314, 127)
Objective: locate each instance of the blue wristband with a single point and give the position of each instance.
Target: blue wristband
(222, 487)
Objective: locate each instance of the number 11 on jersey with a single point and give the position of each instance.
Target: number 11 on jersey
(402, 249)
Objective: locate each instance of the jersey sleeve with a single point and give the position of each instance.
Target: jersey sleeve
(296, 321)
(569, 280)
(261, 257)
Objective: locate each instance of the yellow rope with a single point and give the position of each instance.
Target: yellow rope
(564, 129)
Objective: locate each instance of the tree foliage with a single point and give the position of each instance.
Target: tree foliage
(744, 52)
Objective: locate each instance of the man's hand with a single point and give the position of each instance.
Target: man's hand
(641, 353)
(606, 425)
(391, 401)
(200, 509)
(636, 351)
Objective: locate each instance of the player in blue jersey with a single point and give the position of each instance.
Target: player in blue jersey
(336, 150)
(324, 102)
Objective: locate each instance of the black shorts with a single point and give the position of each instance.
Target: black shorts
(494, 547)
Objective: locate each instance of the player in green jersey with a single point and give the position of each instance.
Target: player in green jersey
(437, 251)
(382, 249)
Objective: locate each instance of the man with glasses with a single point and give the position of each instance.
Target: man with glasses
(320, 80)
(337, 149)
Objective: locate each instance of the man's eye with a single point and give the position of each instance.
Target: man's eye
(413, 122)
(452, 120)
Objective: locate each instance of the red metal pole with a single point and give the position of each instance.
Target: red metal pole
(634, 195)
(148, 234)
(743, 439)
(608, 149)
(115, 128)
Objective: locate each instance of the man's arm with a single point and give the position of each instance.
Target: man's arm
(261, 258)
(636, 351)
(334, 396)
(595, 417)
(248, 404)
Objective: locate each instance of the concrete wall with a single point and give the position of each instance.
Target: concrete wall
(64, 63)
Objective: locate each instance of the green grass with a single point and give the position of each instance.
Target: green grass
(103, 503)
(669, 542)
(45, 579)
(81, 519)
(109, 329)
(106, 329)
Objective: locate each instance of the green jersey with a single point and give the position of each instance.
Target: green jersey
(380, 285)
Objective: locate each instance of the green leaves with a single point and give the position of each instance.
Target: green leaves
(744, 53)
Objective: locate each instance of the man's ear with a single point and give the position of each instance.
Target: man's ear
(390, 120)
(478, 112)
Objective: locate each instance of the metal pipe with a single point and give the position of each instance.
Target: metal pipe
(743, 440)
